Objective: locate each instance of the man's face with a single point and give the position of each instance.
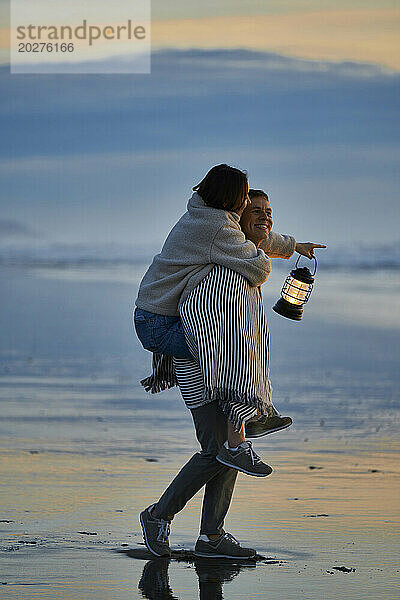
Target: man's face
(257, 216)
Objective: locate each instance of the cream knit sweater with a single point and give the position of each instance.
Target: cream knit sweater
(204, 237)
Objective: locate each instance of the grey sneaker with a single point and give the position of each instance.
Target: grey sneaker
(244, 460)
(225, 546)
(155, 533)
(265, 425)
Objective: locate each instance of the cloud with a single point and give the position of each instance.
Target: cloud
(363, 35)
(352, 161)
(194, 100)
(111, 157)
(236, 60)
(181, 74)
(15, 229)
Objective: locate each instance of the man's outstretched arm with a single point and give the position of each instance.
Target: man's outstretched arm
(278, 245)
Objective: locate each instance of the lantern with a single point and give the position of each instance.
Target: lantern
(295, 292)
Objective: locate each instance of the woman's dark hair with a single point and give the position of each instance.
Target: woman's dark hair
(223, 187)
(257, 193)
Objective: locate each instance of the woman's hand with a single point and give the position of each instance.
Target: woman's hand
(307, 248)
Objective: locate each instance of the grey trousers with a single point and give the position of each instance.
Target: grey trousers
(203, 469)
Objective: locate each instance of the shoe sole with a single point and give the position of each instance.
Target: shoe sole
(268, 431)
(243, 470)
(147, 543)
(201, 555)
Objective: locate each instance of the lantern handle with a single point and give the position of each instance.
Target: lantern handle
(315, 265)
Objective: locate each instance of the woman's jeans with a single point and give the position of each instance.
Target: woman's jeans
(161, 334)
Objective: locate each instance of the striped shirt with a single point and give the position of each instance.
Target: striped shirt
(226, 330)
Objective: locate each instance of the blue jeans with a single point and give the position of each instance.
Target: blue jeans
(161, 334)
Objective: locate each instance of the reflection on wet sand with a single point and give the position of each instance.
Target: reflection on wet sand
(212, 574)
(154, 582)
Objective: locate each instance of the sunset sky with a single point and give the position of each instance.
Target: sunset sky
(365, 31)
(302, 94)
(360, 31)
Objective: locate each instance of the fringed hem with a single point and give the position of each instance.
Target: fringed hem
(153, 386)
(163, 376)
(229, 400)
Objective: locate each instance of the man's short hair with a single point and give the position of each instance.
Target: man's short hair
(257, 193)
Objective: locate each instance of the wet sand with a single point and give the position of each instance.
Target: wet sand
(70, 519)
(70, 509)
(79, 461)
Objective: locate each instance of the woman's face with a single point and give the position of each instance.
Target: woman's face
(257, 216)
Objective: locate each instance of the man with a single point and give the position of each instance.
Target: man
(211, 429)
(258, 216)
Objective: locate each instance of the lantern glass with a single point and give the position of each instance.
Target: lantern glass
(295, 291)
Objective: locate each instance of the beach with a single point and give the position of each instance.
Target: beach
(83, 448)
(100, 155)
